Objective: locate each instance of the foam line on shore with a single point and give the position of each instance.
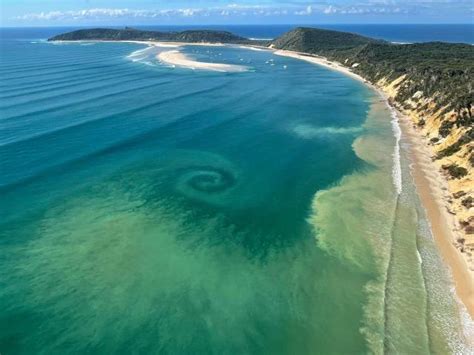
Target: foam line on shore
(396, 169)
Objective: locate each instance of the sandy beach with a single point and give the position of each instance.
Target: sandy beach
(175, 57)
(431, 186)
(319, 61)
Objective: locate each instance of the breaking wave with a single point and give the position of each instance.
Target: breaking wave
(397, 170)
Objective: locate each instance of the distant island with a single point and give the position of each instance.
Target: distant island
(131, 34)
(432, 83)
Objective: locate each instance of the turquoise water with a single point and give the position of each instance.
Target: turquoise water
(151, 209)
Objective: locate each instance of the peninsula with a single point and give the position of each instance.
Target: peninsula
(131, 34)
(430, 84)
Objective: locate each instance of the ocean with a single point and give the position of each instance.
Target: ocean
(153, 209)
(456, 33)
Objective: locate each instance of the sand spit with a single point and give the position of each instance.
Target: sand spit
(175, 57)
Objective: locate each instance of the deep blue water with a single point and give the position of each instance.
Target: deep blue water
(463, 33)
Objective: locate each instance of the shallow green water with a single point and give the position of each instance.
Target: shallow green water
(151, 209)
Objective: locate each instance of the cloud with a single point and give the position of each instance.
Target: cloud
(100, 13)
(106, 13)
(322, 8)
(364, 9)
(330, 10)
(305, 12)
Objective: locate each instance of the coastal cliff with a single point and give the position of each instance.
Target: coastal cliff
(433, 84)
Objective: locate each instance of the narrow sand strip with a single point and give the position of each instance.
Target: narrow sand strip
(319, 61)
(177, 58)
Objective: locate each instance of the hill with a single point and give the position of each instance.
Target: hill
(131, 34)
(313, 40)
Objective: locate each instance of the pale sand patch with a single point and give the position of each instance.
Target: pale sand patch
(431, 187)
(319, 61)
(180, 44)
(175, 57)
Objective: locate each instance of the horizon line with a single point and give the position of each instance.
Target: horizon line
(261, 25)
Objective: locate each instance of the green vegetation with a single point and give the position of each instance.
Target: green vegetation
(130, 34)
(456, 147)
(445, 128)
(317, 41)
(468, 202)
(455, 171)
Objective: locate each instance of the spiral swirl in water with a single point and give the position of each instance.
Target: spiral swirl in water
(205, 180)
(198, 175)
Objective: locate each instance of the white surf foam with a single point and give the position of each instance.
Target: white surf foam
(397, 169)
(260, 39)
(166, 45)
(252, 48)
(139, 54)
(420, 260)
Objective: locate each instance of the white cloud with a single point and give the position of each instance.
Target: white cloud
(306, 12)
(363, 9)
(291, 8)
(330, 10)
(107, 13)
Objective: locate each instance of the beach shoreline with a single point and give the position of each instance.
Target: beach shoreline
(430, 184)
(431, 187)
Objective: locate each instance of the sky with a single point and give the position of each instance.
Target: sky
(179, 12)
